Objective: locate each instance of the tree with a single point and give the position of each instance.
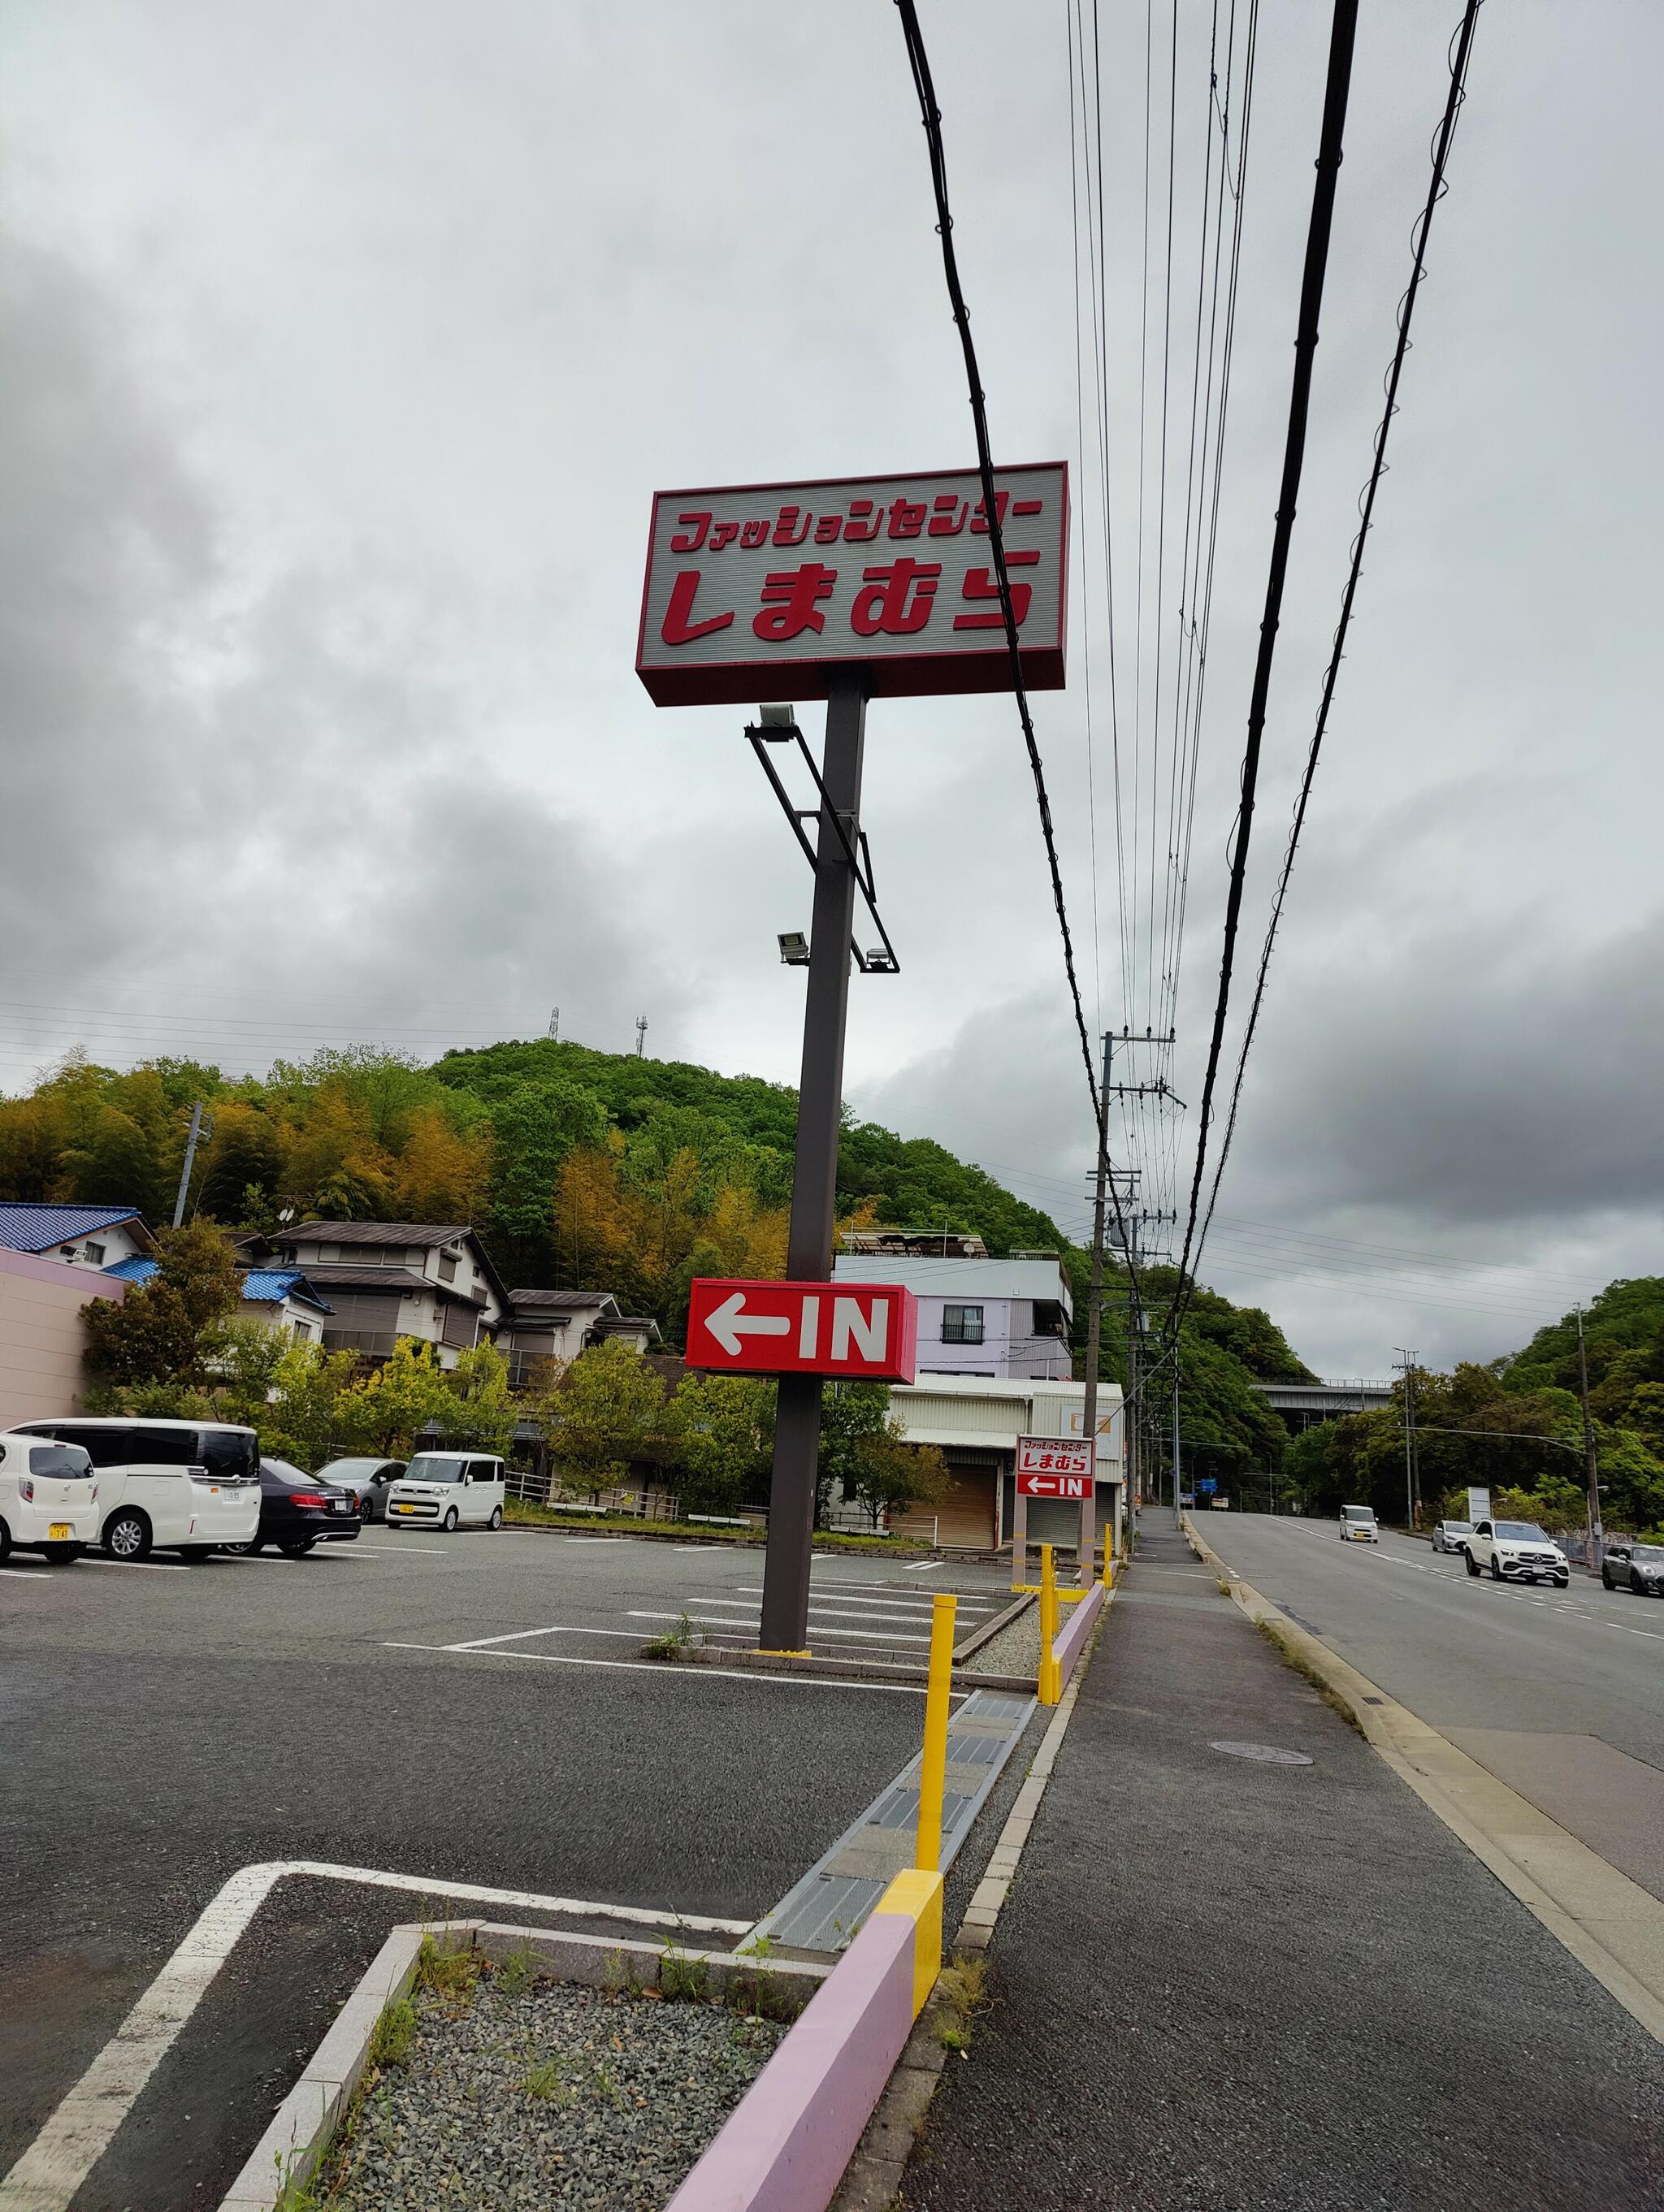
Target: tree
(481, 1412)
(314, 1412)
(893, 1475)
(608, 1409)
(443, 1172)
(243, 1356)
(244, 1157)
(163, 1332)
(388, 1408)
(851, 1415)
(722, 1428)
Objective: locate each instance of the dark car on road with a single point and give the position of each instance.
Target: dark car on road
(367, 1480)
(298, 1510)
(1639, 1567)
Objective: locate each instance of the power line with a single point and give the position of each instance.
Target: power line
(1336, 90)
(1461, 49)
(931, 115)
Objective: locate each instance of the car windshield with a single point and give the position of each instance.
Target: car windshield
(63, 1460)
(354, 1466)
(285, 1471)
(1527, 1531)
(1355, 1513)
(434, 1466)
(1646, 1551)
(1459, 1528)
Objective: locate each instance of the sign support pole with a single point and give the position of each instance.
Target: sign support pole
(814, 1167)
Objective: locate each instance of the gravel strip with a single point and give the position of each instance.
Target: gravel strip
(1015, 1650)
(557, 2095)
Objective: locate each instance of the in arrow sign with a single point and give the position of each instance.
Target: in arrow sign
(730, 1321)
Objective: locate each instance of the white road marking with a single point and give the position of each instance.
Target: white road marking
(598, 1540)
(753, 1620)
(392, 1551)
(47, 2176)
(657, 1666)
(519, 1636)
(926, 1567)
(26, 1574)
(145, 1567)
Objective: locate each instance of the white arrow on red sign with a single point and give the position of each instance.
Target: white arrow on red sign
(730, 1321)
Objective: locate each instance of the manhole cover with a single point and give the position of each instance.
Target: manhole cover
(1268, 1752)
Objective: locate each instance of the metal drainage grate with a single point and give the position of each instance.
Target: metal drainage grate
(1269, 1752)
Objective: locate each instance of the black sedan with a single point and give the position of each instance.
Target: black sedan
(298, 1510)
(1639, 1567)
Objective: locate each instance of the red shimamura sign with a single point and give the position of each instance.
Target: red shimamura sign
(859, 1332)
(1047, 1467)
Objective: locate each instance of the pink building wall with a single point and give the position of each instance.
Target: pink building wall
(41, 1333)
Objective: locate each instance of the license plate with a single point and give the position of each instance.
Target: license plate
(404, 1509)
(59, 1532)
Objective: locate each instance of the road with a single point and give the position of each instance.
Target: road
(468, 1708)
(1560, 1694)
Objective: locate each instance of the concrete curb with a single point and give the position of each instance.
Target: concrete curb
(304, 2124)
(847, 1670)
(733, 1542)
(1586, 1904)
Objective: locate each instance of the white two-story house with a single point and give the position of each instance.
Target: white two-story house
(977, 1316)
(385, 1280)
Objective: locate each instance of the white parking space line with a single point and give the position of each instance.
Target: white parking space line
(144, 1566)
(520, 1635)
(26, 1574)
(753, 1621)
(671, 1673)
(392, 1551)
(48, 2173)
(926, 1567)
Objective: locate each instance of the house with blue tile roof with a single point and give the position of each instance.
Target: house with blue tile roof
(99, 1237)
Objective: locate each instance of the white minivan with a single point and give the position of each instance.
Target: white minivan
(451, 1489)
(48, 1497)
(187, 1485)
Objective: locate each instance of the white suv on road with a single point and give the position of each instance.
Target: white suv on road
(1516, 1552)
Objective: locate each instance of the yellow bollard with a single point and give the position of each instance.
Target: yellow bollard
(1050, 1685)
(927, 1853)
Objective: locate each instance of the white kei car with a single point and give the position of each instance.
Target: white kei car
(449, 1490)
(1358, 1525)
(48, 1497)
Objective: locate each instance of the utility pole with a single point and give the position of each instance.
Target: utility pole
(1597, 1533)
(1094, 1328)
(814, 1167)
(190, 1162)
(641, 1036)
(1177, 1486)
(1410, 1483)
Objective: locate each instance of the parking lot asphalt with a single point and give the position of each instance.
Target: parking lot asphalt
(1229, 1984)
(166, 1726)
(1560, 1694)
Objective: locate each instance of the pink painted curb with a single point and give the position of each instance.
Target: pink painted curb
(1066, 1648)
(785, 2147)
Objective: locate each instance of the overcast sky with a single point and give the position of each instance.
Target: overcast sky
(343, 347)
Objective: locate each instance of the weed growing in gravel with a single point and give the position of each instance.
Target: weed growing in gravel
(547, 2079)
(453, 1975)
(679, 1975)
(513, 1975)
(393, 2032)
(619, 1975)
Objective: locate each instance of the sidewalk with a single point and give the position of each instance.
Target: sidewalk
(1224, 1984)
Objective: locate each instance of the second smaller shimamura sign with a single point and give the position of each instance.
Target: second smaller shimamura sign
(1048, 1466)
(856, 1332)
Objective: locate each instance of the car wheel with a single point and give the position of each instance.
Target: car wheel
(1635, 1582)
(5, 1543)
(496, 1516)
(1495, 1568)
(245, 1550)
(450, 1520)
(296, 1548)
(1607, 1578)
(1562, 1582)
(1472, 1565)
(366, 1509)
(62, 1555)
(127, 1535)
